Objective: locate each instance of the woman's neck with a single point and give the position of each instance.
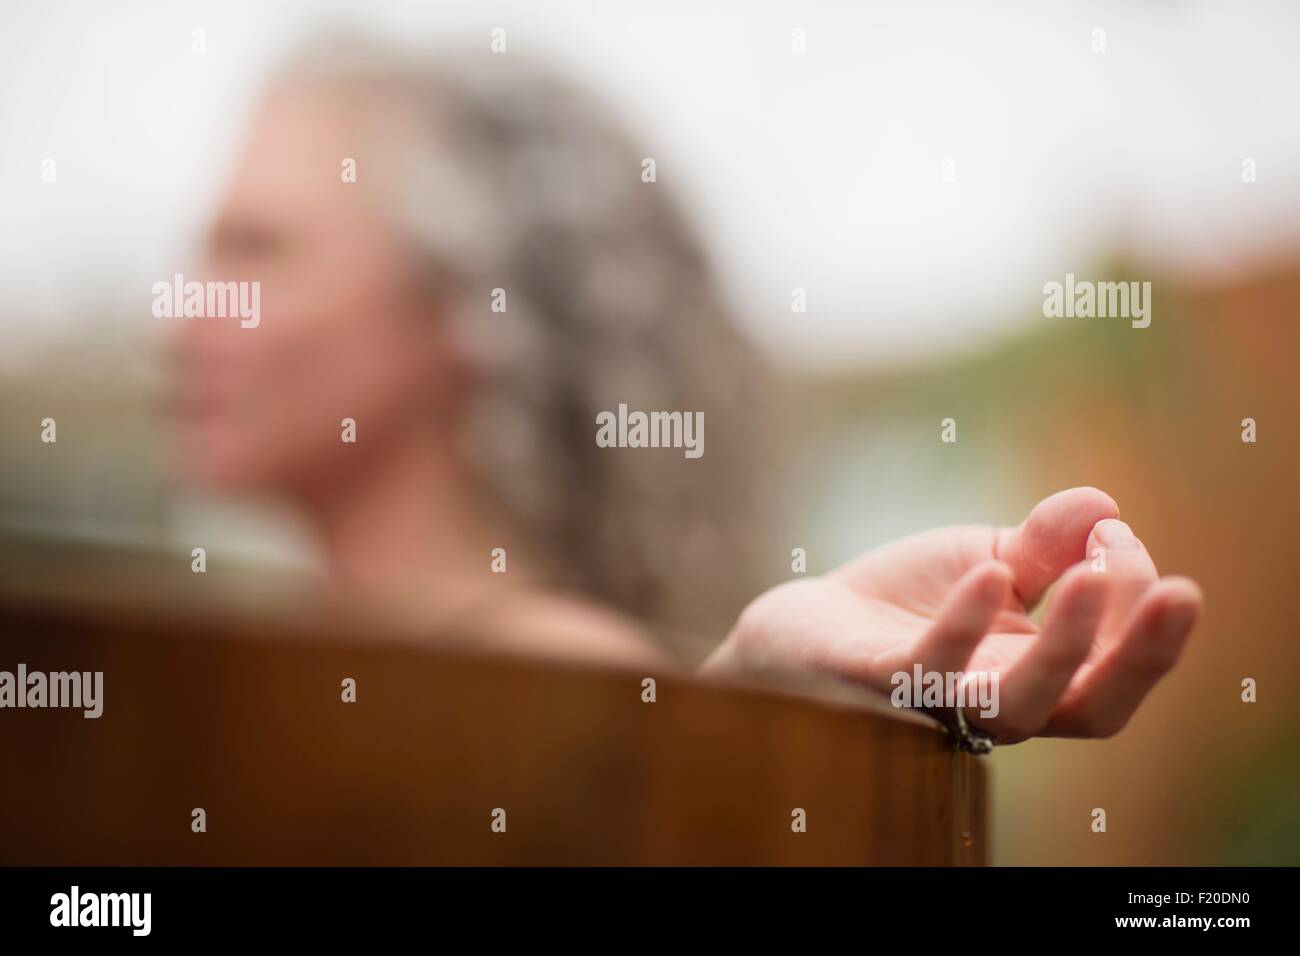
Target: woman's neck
(405, 525)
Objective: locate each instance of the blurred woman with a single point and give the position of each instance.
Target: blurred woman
(494, 276)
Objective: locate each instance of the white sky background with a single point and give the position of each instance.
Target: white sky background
(819, 170)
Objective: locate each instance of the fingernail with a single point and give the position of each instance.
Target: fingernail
(1113, 533)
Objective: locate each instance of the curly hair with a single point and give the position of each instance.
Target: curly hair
(511, 178)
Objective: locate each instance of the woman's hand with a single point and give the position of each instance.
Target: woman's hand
(957, 600)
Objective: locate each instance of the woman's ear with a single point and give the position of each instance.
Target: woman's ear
(445, 366)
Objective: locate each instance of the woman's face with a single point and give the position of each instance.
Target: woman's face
(342, 333)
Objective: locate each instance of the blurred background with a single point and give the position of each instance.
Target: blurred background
(920, 171)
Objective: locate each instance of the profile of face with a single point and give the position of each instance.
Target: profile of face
(344, 332)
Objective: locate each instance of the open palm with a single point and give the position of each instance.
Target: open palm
(957, 600)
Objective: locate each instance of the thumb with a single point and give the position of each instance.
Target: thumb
(1052, 539)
